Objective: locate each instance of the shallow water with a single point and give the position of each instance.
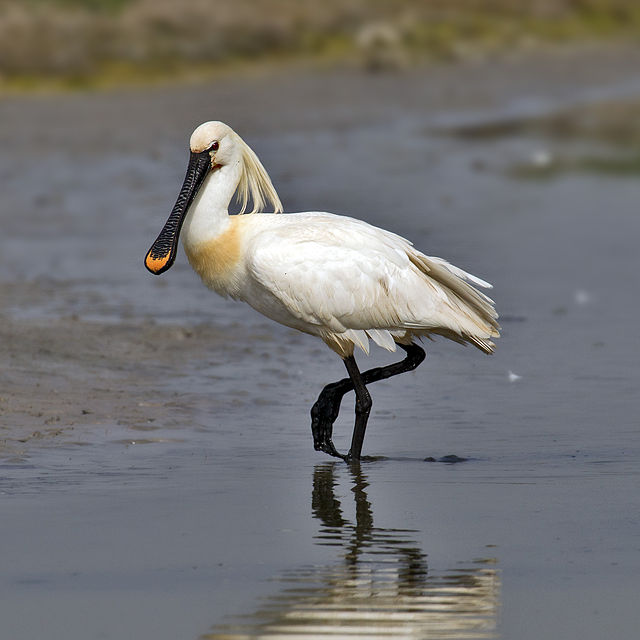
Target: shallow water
(172, 490)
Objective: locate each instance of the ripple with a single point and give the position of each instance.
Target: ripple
(379, 586)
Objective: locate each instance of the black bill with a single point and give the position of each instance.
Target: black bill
(163, 251)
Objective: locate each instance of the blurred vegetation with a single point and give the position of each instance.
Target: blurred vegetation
(82, 41)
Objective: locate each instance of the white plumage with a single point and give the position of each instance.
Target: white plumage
(331, 276)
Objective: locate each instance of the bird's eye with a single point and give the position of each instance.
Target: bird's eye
(215, 145)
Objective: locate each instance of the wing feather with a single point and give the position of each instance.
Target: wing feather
(344, 276)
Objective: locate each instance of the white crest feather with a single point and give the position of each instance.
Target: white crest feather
(255, 183)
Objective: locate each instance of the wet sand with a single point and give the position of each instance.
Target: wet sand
(158, 477)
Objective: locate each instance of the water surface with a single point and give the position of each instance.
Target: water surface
(158, 478)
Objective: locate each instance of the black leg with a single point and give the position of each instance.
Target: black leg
(325, 411)
(363, 408)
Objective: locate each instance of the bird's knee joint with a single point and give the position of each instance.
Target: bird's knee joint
(415, 357)
(363, 405)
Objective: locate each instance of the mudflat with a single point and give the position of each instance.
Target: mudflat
(158, 474)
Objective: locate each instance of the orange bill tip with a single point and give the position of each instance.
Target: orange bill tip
(157, 264)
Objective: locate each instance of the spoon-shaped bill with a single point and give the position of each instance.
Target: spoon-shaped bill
(163, 251)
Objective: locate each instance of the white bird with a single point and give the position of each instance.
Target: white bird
(334, 277)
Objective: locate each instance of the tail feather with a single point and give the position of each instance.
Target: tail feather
(480, 317)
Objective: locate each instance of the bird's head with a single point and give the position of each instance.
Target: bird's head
(218, 141)
(213, 146)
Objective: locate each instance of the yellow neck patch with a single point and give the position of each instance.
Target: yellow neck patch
(215, 259)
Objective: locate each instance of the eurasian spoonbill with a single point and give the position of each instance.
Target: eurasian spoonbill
(334, 277)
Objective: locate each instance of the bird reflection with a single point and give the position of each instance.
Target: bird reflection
(362, 542)
(379, 587)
